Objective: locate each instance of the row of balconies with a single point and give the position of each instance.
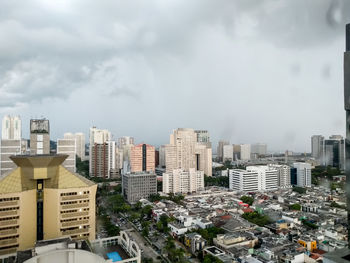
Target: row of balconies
(74, 197)
(77, 205)
(8, 222)
(8, 213)
(8, 232)
(74, 214)
(76, 231)
(8, 242)
(8, 203)
(75, 223)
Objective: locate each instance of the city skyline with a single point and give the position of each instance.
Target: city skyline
(95, 69)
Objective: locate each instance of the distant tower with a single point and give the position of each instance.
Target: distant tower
(39, 136)
(347, 108)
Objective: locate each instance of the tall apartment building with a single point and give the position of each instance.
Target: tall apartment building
(68, 147)
(104, 160)
(98, 139)
(334, 152)
(245, 152)
(259, 148)
(254, 178)
(11, 128)
(136, 186)
(142, 158)
(220, 149)
(126, 140)
(317, 146)
(184, 152)
(11, 142)
(180, 181)
(39, 136)
(284, 175)
(113, 159)
(42, 200)
(303, 174)
(236, 152)
(227, 153)
(79, 142)
(162, 156)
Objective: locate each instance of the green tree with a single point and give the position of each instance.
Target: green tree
(247, 199)
(295, 207)
(256, 218)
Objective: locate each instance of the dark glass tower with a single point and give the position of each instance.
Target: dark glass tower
(347, 109)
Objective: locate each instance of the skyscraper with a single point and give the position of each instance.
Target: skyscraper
(125, 140)
(203, 137)
(11, 128)
(227, 153)
(80, 143)
(184, 152)
(39, 136)
(317, 147)
(245, 152)
(42, 200)
(303, 172)
(180, 181)
(68, 147)
(142, 158)
(259, 148)
(98, 139)
(220, 149)
(334, 152)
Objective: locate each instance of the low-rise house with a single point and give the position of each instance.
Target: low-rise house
(195, 242)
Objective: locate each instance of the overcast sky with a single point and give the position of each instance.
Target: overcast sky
(246, 70)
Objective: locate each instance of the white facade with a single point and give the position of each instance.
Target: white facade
(283, 175)
(303, 174)
(227, 153)
(245, 152)
(254, 178)
(126, 140)
(68, 146)
(162, 156)
(11, 128)
(317, 146)
(80, 143)
(8, 148)
(180, 181)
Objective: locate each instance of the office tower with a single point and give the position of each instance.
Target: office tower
(68, 147)
(97, 136)
(80, 143)
(254, 178)
(203, 137)
(42, 200)
(184, 152)
(39, 136)
(245, 152)
(162, 156)
(220, 149)
(180, 181)
(227, 153)
(11, 128)
(347, 109)
(317, 146)
(142, 158)
(303, 172)
(259, 149)
(284, 176)
(236, 152)
(334, 152)
(125, 140)
(141, 185)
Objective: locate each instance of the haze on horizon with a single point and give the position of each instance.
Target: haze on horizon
(246, 70)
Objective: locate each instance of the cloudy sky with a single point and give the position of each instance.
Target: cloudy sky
(246, 70)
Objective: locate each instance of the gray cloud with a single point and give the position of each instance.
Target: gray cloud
(247, 70)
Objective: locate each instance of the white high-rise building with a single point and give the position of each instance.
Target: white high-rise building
(184, 152)
(80, 143)
(126, 140)
(68, 146)
(227, 153)
(254, 178)
(283, 175)
(11, 128)
(317, 146)
(113, 159)
(162, 156)
(259, 148)
(97, 137)
(245, 152)
(180, 181)
(303, 174)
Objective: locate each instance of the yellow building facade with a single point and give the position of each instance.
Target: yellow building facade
(42, 200)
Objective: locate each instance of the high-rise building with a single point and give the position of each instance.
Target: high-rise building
(227, 153)
(317, 146)
(39, 136)
(98, 137)
(113, 160)
(259, 149)
(180, 181)
(80, 143)
(303, 172)
(11, 128)
(162, 156)
(203, 137)
(105, 160)
(245, 152)
(184, 152)
(136, 186)
(126, 140)
(42, 200)
(68, 147)
(142, 158)
(220, 149)
(334, 152)
(254, 178)
(236, 152)
(284, 177)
